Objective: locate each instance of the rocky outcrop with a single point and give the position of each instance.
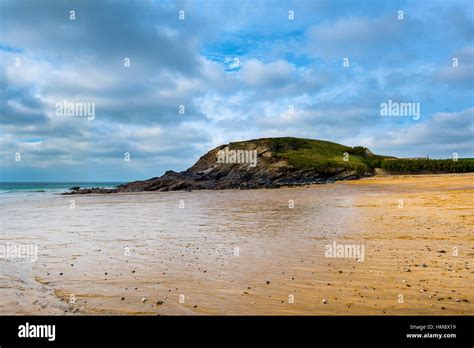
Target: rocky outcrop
(221, 168)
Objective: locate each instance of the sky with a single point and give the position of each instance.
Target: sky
(170, 80)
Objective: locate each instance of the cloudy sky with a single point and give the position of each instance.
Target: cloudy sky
(242, 70)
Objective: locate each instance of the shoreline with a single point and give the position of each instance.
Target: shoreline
(289, 186)
(191, 251)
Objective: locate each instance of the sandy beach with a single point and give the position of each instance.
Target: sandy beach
(246, 252)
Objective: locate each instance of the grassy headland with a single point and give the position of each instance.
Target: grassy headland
(286, 161)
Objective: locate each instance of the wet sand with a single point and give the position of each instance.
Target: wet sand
(246, 252)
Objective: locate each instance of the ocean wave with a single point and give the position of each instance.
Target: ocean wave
(34, 191)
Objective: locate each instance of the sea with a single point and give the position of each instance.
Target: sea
(37, 188)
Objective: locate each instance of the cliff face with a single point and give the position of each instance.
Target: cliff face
(268, 163)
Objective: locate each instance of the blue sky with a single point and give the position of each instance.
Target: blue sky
(237, 67)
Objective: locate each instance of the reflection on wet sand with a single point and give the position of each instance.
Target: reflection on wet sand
(246, 252)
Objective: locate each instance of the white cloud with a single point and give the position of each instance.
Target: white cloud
(351, 36)
(274, 74)
(438, 135)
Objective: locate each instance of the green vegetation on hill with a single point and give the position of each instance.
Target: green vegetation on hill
(328, 157)
(324, 156)
(419, 166)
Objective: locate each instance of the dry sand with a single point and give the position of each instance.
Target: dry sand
(247, 252)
